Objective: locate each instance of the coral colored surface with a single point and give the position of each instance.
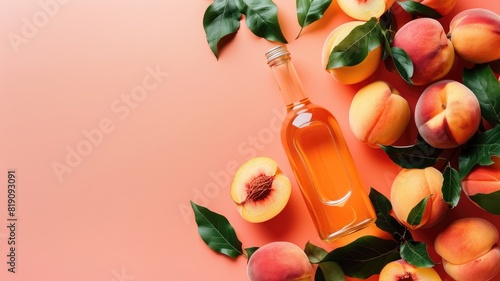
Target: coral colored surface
(115, 114)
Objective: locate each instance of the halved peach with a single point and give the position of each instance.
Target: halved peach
(364, 9)
(260, 189)
(400, 270)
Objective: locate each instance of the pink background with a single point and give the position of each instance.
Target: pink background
(115, 114)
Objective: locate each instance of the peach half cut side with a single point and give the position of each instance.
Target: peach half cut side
(364, 9)
(400, 270)
(260, 189)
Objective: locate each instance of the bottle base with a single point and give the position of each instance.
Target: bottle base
(347, 231)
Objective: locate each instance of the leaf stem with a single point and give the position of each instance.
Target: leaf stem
(449, 159)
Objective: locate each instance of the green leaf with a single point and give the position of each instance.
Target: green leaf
(221, 18)
(415, 253)
(216, 231)
(262, 19)
(420, 155)
(482, 82)
(387, 19)
(314, 253)
(309, 11)
(356, 45)
(403, 63)
(416, 214)
(365, 256)
(451, 187)
(479, 151)
(319, 276)
(387, 40)
(488, 202)
(381, 204)
(400, 58)
(385, 221)
(329, 271)
(250, 251)
(417, 9)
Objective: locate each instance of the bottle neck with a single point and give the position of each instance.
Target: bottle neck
(286, 76)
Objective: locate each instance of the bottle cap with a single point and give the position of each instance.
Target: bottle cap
(276, 52)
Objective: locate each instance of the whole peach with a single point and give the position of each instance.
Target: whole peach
(279, 261)
(425, 42)
(475, 35)
(400, 270)
(410, 187)
(466, 239)
(484, 267)
(378, 114)
(447, 114)
(349, 74)
(468, 247)
(443, 7)
(482, 179)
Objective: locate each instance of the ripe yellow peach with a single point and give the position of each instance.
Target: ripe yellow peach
(466, 239)
(279, 261)
(400, 270)
(410, 187)
(260, 190)
(366, 9)
(447, 114)
(443, 7)
(349, 74)
(378, 114)
(425, 42)
(483, 179)
(475, 35)
(468, 247)
(484, 267)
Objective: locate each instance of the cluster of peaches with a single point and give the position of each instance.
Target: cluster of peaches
(261, 191)
(447, 114)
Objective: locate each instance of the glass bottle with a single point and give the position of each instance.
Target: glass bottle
(319, 157)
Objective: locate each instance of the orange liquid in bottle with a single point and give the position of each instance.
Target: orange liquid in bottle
(325, 171)
(320, 158)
